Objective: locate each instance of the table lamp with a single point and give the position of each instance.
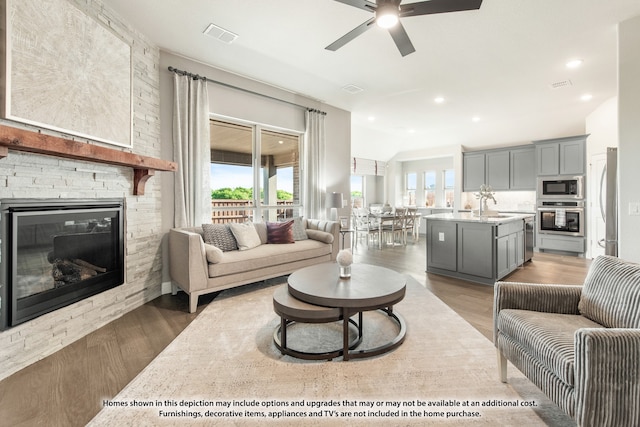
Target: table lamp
(333, 202)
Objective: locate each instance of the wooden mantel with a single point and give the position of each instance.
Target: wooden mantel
(34, 142)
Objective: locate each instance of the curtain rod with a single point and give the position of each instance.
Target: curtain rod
(207, 79)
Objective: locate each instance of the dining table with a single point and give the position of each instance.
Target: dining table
(382, 218)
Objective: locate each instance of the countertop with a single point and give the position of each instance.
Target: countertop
(468, 217)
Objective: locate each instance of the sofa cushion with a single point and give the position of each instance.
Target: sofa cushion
(219, 235)
(246, 235)
(610, 293)
(268, 255)
(280, 232)
(548, 337)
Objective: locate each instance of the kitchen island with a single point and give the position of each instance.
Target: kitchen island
(479, 249)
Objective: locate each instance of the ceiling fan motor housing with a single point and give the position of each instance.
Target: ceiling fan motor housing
(387, 13)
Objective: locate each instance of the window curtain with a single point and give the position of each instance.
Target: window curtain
(314, 159)
(191, 150)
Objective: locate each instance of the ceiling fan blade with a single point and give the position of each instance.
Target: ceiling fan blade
(438, 6)
(360, 4)
(351, 35)
(401, 38)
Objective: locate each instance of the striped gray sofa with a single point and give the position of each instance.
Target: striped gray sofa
(579, 344)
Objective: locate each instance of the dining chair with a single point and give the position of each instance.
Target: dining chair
(396, 227)
(412, 224)
(364, 224)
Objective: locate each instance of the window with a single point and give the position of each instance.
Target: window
(357, 191)
(430, 188)
(239, 179)
(410, 193)
(449, 187)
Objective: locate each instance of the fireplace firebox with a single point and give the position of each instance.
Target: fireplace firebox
(57, 252)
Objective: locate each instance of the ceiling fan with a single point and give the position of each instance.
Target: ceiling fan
(388, 12)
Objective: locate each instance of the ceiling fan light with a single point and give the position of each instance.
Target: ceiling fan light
(387, 21)
(387, 15)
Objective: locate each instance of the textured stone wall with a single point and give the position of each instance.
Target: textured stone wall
(24, 175)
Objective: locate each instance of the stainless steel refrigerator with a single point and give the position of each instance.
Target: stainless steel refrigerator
(609, 202)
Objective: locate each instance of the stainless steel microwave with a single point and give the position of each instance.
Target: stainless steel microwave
(560, 187)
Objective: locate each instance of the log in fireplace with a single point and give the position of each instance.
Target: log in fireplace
(56, 252)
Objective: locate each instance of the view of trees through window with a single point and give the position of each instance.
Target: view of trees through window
(235, 181)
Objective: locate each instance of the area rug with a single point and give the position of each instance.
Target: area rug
(224, 369)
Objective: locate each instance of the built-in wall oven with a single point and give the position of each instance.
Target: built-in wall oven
(561, 217)
(560, 187)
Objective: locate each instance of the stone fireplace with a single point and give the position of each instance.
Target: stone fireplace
(35, 166)
(57, 252)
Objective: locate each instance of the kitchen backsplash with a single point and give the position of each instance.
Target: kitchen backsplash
(506, 201)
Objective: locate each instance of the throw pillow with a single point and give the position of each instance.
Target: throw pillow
(219, 235)
(214, 253)
(261, 228)
(320, 236)
(246, 235)
(299, 231)
(280, 232)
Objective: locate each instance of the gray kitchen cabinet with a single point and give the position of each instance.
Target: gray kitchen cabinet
(509, 248)
(473, 170)
(502, 256)
(572, 157)
(523, 169)
(497, 169)
(474, 257)
(470, 248)
(502, 169)
(548, 159)
(519, 248)
(563, 156)
(442, 244)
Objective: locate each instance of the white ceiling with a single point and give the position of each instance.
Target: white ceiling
(496, 63)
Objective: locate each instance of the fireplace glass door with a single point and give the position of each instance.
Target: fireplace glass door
(57, 255)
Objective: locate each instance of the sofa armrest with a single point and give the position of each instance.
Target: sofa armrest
(331, 227)
(535, 297)
(607, 376)
(187, 260)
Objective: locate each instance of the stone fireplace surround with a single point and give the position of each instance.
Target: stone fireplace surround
(25, 175)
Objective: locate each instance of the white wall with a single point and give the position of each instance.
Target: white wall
(629, 133)
(602, 127)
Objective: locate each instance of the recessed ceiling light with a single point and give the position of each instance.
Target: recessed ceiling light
(574, 63)
(371, 119)
(438, 100)
(586, 97)
(475, 119)
(411, 131)
(280, 142)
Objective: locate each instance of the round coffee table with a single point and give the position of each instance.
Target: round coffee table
(369, 288)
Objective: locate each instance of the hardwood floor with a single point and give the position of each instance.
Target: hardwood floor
(67, 388)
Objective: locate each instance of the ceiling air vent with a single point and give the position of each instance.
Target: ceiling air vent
(560, 84)
(352, 89)
(220, 33)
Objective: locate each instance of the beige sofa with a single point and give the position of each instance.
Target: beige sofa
(197, 270)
